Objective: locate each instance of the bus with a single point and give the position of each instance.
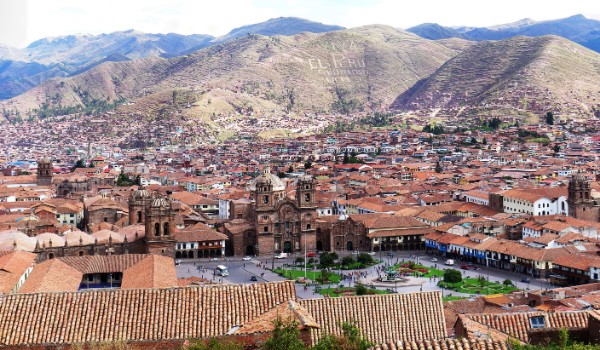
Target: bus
(221, 271)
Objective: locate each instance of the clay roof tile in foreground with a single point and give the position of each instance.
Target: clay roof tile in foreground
(135, 314)
(382, 318)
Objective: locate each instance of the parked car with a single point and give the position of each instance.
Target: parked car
(434, 259)
(177, 261)
(390, 254)
(449, 262)
(356, 252)
(253, 278)
(525, 280)
(372, 253)
(213, 259)
(247, 258)
(311, 254)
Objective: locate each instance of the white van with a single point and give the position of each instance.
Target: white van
(449, 262)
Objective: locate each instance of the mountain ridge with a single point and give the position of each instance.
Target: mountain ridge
(76, 53)
(576, 28)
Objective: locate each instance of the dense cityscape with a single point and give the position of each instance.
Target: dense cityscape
(205, 210)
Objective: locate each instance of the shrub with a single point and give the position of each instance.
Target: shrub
(327, 259)
(452, 276)
(360, 289)
(365, 259)
(507, 282)
(347, 260)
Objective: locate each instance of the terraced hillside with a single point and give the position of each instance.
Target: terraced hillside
(344, 71)
(521, 75)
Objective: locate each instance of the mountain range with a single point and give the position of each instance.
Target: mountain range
(22, 69)
(318, 69)
(577, 28)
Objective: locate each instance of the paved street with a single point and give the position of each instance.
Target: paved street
(241, 271)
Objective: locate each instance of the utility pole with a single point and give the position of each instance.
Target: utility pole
(305, 255)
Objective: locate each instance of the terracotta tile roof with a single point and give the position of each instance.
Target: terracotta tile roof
(199, 233)
(52, 276)
(382, 318)
(139, 271)
(154, 271)
(578, 261)
(445, 344)
(12, 266)
(135, 314)
(517, 325)
(400, 232)
(377, 221)
(290, 310)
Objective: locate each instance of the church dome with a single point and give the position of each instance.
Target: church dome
(267, 178)
(104, 236)
(160, 202)
(75, 238)
(48, 239)
(140, 194)
(16, 240)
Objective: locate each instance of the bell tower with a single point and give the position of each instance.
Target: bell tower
(581, 204)
(138, 201)
(264, 194)
(307, 204)
(159, 219)
(44, 172)
(305, 192)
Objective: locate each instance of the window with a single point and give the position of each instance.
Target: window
(266, 229)
(166, 229)
(537, 322)
(265, 199)
(308, 226)
(157, 229)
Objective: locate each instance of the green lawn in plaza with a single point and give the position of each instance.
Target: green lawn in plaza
(472, 285)
(314, 276)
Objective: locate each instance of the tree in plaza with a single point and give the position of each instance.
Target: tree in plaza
(364, 259)
(452, 276)
(347, 261)
(327, 259)
(285, 336)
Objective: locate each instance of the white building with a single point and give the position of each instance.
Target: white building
(536, 202)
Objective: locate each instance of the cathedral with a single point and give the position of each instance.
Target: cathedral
(277, 223)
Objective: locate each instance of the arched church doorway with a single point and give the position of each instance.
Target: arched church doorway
(287, 247)
(319, 246)
(250, 250)
(349, 245)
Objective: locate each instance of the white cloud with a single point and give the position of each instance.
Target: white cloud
(44, 18)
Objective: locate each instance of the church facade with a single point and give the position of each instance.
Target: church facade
(277, 223)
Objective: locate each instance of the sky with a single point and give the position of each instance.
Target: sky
(24, 21)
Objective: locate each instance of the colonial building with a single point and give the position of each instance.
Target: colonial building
(276, 222)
